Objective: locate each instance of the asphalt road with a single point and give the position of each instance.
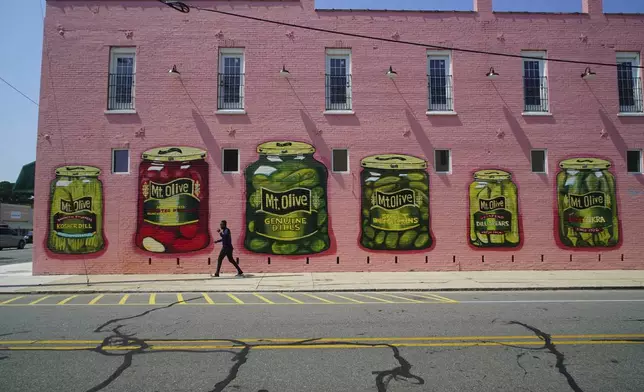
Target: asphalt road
(509, 341)
(13, 255)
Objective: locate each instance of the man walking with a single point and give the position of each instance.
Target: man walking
(226, 249)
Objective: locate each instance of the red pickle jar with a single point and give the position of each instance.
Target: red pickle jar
(173, 200)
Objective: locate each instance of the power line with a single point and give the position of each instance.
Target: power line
(185, 8)
(18, 91)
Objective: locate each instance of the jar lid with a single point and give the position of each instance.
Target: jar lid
(78, 171)
(492, 175)
(285, 148)
(171, 154)
(393, 161)
(584, 163)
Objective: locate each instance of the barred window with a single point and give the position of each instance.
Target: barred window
(120, 94)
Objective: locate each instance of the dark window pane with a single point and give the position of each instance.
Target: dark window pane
(340, 160)
(4, 231)
(120, 161)
(231, 160)
(538, 161)
(634, 161)
(441, 160)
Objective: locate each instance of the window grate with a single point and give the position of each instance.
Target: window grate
(231, 91)
(338, 92)
(630, 90)
(120, 92)
(535, 92)
(439, 87)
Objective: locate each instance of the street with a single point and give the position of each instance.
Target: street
(14, 256)
(393, 341)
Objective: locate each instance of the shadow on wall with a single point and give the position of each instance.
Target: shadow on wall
(320, 145)
(342, 120)
(617, 139)
(423, 141)
(522, 139)
(209, 141)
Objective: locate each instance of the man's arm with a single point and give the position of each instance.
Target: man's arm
(223, 233)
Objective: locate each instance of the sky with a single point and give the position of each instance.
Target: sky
(22, 52)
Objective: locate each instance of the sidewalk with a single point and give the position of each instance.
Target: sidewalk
(17, 278)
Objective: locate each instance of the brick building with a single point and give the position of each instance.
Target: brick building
(327, 152)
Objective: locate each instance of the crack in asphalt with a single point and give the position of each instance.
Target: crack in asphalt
(525, 372)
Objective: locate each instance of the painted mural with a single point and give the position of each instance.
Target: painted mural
(173, 204)
(286, 209)
(587, 204)
(76, 211)
(494, 210)
(395, 203)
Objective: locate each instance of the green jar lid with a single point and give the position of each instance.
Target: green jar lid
(393, 161)
(584, 163)
(285, 148)
(488, 175)
(78, 171)
(174, 154)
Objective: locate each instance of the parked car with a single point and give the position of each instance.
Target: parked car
(29, 238)
(9, 238)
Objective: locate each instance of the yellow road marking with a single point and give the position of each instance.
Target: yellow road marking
(208, 299)
(268, 301)
(291, 298)
(153, 299)
(63, 302)
(39, 300)
(124, 299)
(239, 301)
(180, 299)
(347, 298)
(438, 297)
(399, 297)
(11, 300)
(376, 298)
(319, 298)
(96, 299)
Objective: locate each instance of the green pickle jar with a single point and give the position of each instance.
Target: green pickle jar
(395, 203)
(494, 210)
(587, 204)
(286, 210)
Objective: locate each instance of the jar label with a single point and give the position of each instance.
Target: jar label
(396, 211)
(75, 219)
(591, 199)
(286, 215)
(588, 213)
(492, 217)
(174, 203)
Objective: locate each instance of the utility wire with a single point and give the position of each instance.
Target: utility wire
(18, 91)
(185, 8)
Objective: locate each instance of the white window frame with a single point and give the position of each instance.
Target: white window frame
(449, 155)
(339, 54)
(641, 159)
(447, 56)
(117, 52)
(348, 162)
(634, 58)
(232, 53)
(544, 89)
(545, 160)
(114, 161)
(222, 160)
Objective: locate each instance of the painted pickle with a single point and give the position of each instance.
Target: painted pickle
(494, 210)
(395, 203)
(587, 204)
(286, 210)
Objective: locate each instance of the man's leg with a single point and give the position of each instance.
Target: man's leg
(232, 261)
(222, 254)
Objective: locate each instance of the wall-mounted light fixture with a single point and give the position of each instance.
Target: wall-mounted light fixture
(173, 71)
(391, 74)
(588, 74)
(284, 72)
(492, 74)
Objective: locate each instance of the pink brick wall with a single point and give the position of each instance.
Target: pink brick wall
(489, 130)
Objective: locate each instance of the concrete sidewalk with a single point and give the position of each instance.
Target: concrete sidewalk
(17, 278)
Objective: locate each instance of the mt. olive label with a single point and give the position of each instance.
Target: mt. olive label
(491, 205)
(592, 199)
(392, 201)
(176, 187)
(175, 203)
(82, 204)
(282, 203)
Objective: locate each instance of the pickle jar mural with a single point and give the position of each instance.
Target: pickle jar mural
(587, 207)
(395, 203)
(286, 210)
(76, 211)
(494, 210)
(173, 200)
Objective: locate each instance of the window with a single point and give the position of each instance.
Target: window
(538, 160)
(338, 79)
(535, 82)
(634, 161)
(629, 82)
(442, 161)
(340, 161)
(439, 81)
(120, 160)
(231, 79)
(230, 158)
(120, 94)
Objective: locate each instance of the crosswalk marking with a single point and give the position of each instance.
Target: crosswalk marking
(268, 301)
(207, 298)
(319, 298)
(399, 297)
(180, 299)
(96, 299)
(239, 301)
(436, 297)
(297, 301)
(347, 298)
(63, 302)
(376, 298)
(39, 300)
(153, 299)
(124, 299)
(11, 300)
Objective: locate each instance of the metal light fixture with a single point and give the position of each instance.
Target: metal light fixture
(173, 71)
(492, 74)
(284, 72)
(391, 74)
(588, 74)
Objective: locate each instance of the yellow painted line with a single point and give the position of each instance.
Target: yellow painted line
(153, 299)
(239, 301)
(11, 300)
(319, 298)
(180, 299)
(208, 299)
(39, 300)
(124, 299)
(2, 342)
(96, 299)
(376, 298)
(399, 297)
(297, 301)
(268, 301)
(63, 302)
(438, 297)
(347, 298)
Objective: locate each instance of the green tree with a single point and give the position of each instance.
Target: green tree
(7, 195)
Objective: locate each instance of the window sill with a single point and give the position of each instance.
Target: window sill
(441, 113)
(339, 112)
(542, 114)
(120, 111)
(120, 173)
(630, 114)
(231, 111)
